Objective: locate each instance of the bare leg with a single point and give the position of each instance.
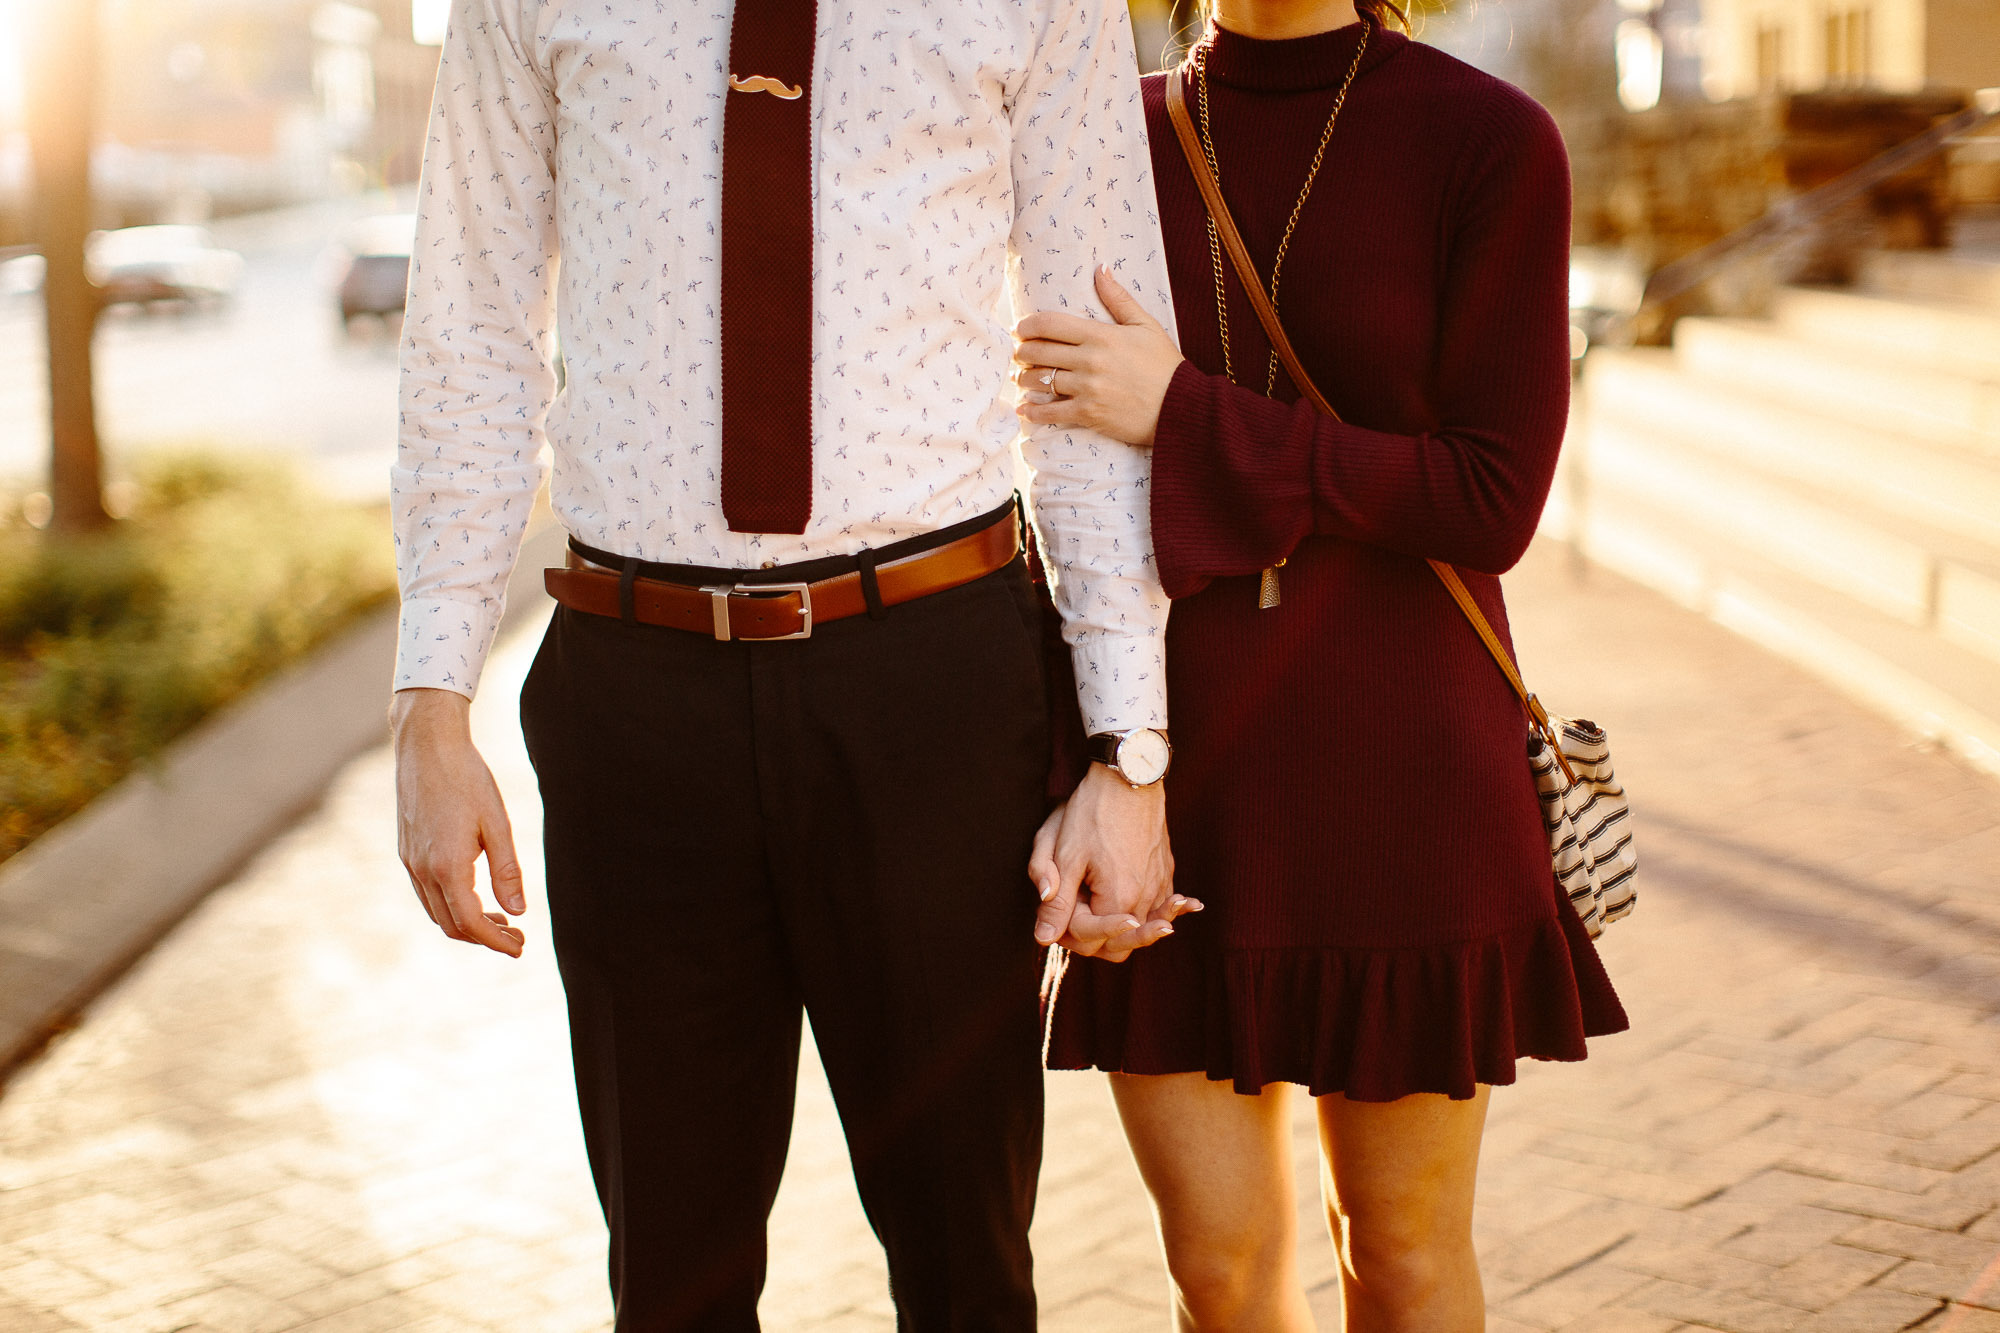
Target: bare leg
(1219, 1167)
(1399, 1184)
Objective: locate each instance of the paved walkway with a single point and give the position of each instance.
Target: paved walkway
(306, 1110)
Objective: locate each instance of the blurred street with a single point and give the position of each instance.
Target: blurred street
(307, 1110)
(271, 369)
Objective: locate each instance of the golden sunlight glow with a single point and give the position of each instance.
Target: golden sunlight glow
(13, 41)
(427, 21)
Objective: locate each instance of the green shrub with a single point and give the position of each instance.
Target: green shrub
(112, 645)
(84, 588)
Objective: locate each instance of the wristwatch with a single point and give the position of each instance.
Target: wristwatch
(1140, 756)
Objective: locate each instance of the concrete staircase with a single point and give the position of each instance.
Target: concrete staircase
(1825, 482)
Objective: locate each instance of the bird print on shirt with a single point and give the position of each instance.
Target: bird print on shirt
(974, 160)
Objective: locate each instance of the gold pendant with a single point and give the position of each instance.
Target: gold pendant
(1267, 589)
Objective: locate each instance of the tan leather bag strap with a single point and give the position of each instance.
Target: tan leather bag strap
(1232, 241)
(1253, 286)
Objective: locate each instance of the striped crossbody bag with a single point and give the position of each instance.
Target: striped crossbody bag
(1583, 806)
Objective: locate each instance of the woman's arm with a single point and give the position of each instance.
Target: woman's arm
(1239, 479)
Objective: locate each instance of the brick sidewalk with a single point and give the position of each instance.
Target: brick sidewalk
(305, 1111)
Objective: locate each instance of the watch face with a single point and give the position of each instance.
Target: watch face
(1142, 757)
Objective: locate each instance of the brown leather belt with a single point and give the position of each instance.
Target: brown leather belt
(766, 611)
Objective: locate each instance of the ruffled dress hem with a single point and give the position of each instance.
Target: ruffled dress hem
(1374, 1024)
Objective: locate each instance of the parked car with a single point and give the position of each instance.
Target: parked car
(162, 263)
(375, 267)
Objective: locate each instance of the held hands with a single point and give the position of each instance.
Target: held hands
(1104, 870)
(448, 811)
(1109, 378)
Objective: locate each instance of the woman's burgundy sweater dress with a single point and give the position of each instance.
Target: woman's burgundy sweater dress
(1350, 794)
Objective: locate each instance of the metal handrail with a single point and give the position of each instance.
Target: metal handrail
(1800, 211)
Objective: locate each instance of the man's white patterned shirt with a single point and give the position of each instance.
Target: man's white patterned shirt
(974, 160)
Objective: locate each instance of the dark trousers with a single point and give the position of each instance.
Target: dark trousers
(840, 825)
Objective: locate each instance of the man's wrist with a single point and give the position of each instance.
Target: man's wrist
(428, 710)
(1139, 756)
(1105, 773)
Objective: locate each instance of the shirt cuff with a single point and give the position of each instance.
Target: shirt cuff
(1121, 682)
(442, 644)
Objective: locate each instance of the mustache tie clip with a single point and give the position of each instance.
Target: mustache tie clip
(764, 83)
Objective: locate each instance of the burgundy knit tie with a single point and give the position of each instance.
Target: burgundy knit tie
(767, 257)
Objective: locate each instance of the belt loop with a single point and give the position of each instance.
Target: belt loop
(627, 604)
(871, 592)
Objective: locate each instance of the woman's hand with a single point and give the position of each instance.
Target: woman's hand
(1109, 378)
(1105, 897)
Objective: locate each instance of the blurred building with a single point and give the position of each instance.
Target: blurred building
(1653, 51)
(222, 106)
(1689, 118)
(1768, 46)
(405, 57)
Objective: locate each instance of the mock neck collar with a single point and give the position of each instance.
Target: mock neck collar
(1296, 64)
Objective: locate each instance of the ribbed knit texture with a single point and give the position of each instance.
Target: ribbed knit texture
(767, 266)
(1350, 794)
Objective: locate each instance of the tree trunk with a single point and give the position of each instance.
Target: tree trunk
(61, 114)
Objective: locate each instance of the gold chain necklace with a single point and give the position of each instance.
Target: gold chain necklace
(1298, 207)
(1267, 591)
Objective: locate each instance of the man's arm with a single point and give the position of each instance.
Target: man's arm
(1083, 196)
(476, 384)
(476, 366)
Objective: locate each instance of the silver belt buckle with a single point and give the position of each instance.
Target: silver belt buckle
(718, 602)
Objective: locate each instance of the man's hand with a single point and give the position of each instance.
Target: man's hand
(1105, 871)
(448, 810)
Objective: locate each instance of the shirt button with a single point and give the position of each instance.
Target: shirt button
(768, 564)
